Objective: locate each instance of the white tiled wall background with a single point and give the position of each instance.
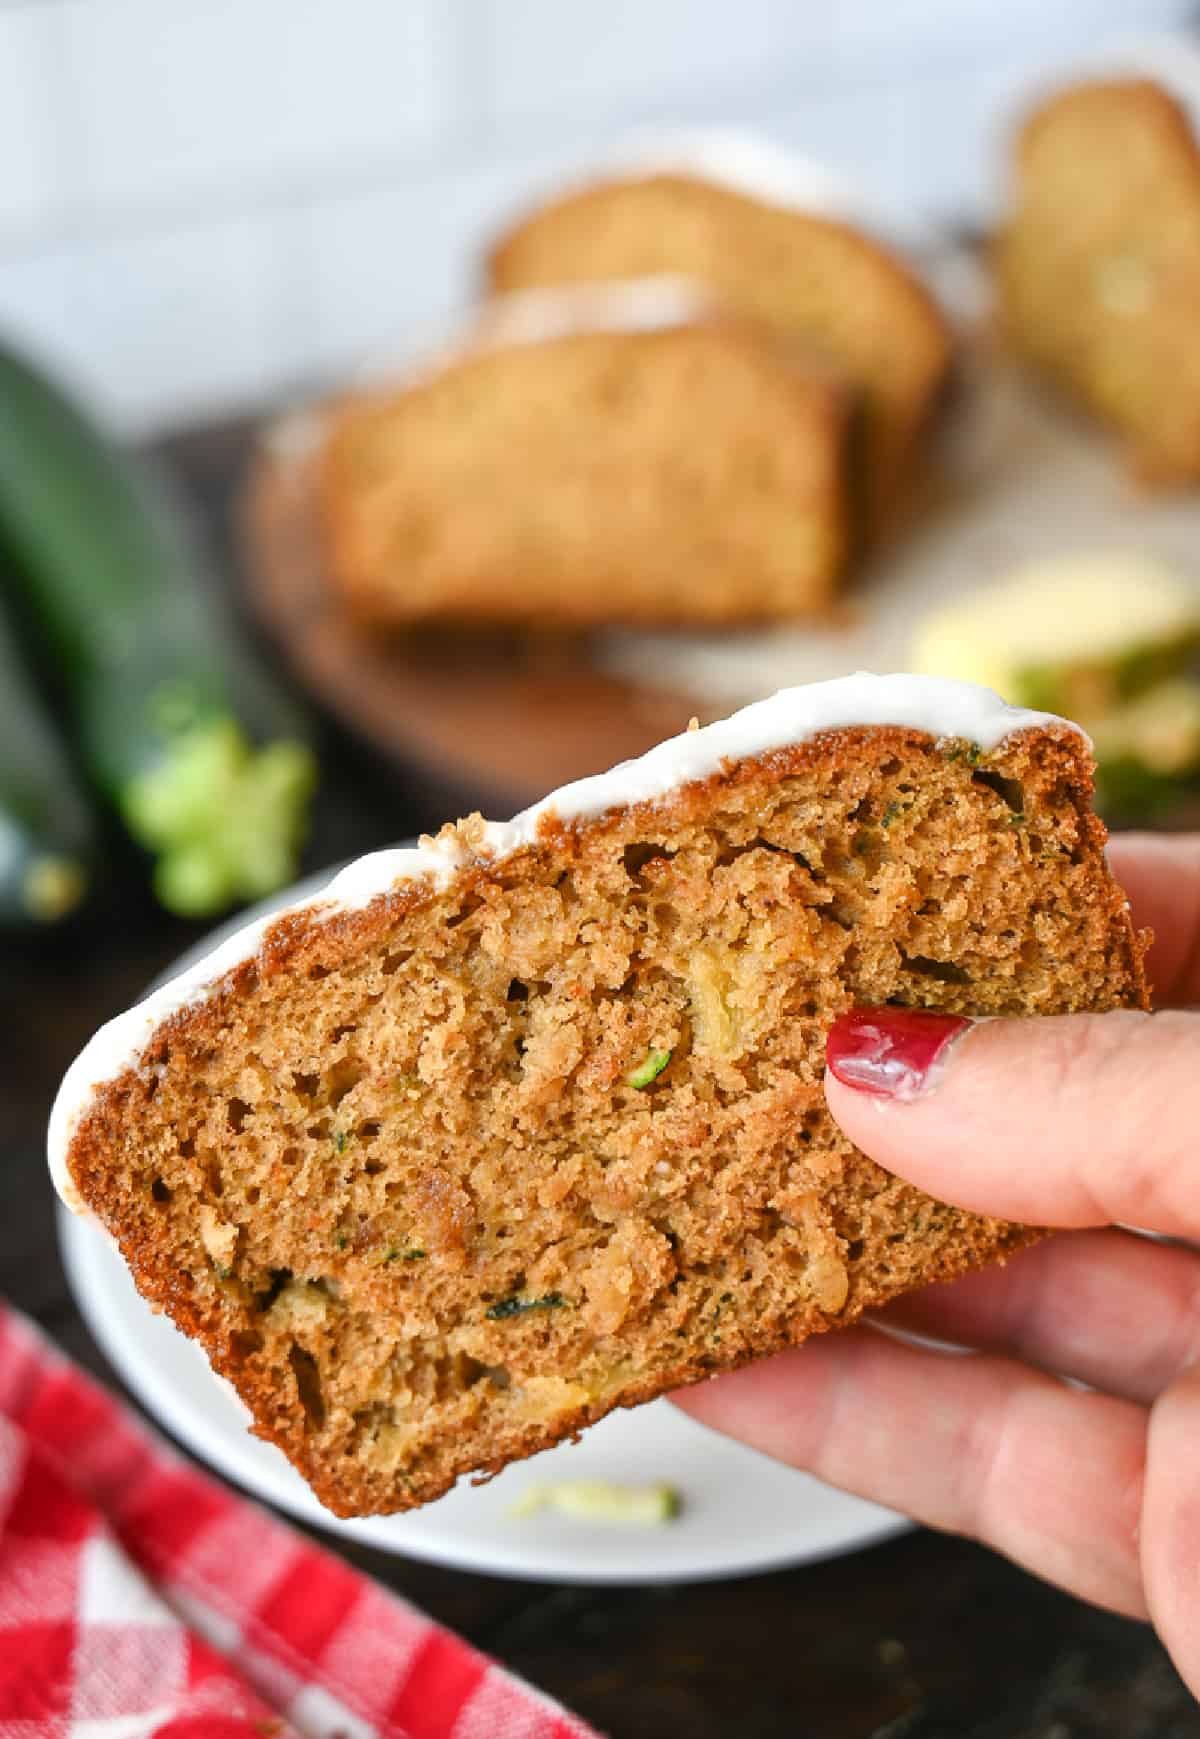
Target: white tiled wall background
(206, 204)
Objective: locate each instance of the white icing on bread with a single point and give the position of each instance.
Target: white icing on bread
(658, 302)
(748, 164)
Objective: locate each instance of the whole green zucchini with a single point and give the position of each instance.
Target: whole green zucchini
(49, 834)
(200, 750)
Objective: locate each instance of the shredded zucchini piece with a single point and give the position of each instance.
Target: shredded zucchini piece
(601, 1500)
(648, 1070)
(517, 1306)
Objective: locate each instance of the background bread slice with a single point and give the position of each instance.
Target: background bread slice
(1098, 267)
(440, 1180)
(688, 474)
(814, 280)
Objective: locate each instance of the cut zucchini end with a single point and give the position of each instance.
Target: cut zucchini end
(192, 882)
(224, 819)
(53, 887)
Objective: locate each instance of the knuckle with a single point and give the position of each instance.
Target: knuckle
(1078, 1048)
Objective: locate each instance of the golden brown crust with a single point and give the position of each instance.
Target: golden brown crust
(307, 948)
(1155, 105)
(692, 474)
(1098, 267)
(502, 273)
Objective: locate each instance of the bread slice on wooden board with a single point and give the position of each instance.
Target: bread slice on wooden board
(627, 457)
(527, 1124)
(812, 276)
(1098, 266)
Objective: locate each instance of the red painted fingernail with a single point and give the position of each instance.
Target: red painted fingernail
(890, 1052)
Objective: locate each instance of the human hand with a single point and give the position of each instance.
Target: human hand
(1083, 1122)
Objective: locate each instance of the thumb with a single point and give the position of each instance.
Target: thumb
(1066, 1120)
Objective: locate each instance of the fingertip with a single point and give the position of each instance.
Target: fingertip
(885, 1067)
(932, 1098)
(892, 1053)
(904, 1135)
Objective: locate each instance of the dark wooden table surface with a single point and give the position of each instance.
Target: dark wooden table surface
(922, 1638)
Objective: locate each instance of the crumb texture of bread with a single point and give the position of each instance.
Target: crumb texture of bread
(1098, 267)
(690, 474)
(439, 1182)
(810, 278)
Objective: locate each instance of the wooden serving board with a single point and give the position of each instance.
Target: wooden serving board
(506, 716)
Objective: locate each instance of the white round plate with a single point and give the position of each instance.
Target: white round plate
(741, 1512)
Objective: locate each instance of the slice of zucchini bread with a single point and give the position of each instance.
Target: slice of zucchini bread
(760, 229)
(1098, 266)
(626, 455)
(526, 1124)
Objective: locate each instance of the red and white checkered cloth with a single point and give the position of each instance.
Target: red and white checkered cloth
(138, 1597)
